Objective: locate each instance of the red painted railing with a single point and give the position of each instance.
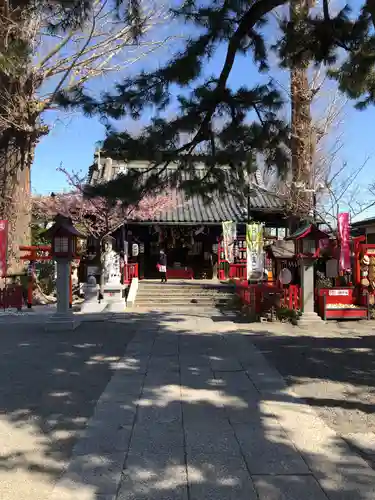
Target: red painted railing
(247, 294)
(130, 272)
(292, 297)
(11, 296)
(237, 271)
(253, 295)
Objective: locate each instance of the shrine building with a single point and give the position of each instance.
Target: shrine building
(190, 230)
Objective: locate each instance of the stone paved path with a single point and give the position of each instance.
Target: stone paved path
(49, 387)
(194, 412)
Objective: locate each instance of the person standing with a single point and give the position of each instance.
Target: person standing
(163, 266)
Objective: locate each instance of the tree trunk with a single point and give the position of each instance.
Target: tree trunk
(20, 127)
(301, 128)
(15, 201)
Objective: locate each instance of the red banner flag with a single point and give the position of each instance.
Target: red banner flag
(3, 247)
(344, 235)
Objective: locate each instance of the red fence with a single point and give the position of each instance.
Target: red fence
(254, 295)
(292, 297)
(11, 296)
(237, 271)
(130, 272)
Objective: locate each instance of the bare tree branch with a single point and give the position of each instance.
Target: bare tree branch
(105, 44)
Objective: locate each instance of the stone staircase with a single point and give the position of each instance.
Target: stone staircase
(191, 295)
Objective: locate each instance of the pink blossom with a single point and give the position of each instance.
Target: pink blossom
(97, 217)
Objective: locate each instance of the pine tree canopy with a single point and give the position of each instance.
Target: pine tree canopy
(70, 14)
(214, 123)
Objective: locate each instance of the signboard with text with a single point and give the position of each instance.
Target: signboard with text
(339, 292)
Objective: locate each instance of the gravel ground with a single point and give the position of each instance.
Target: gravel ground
(334, 373)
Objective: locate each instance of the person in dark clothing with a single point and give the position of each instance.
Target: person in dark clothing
(163, 266)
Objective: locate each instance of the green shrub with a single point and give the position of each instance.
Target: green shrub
(285, 314)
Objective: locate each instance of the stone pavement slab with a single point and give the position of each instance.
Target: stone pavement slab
(154, 479)
(151, 438)
(219, 477)
(49, 386)
(268, 450)
(206, 417)
(288, 487)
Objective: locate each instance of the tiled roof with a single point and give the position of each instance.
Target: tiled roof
(227, 207)
(195, 209)
(370, 221)
(305, 230)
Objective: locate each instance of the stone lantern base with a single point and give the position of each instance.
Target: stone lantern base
(113, 295)
(309, 315)
(309, 318)
(62, 322)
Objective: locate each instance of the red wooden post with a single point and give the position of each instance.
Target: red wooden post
(220, 272)
(70, 287)
(32, 256)
(30, 284)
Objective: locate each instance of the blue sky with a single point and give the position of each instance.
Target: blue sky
(73, 139)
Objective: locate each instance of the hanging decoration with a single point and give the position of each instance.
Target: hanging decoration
(254, 245)
(229, 237)
(344, 234)
(285, 276)
(135, 250)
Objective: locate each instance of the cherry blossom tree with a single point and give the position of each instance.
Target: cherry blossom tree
(97, 217)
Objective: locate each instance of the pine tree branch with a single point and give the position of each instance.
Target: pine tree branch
(370, 6)
(249, 20)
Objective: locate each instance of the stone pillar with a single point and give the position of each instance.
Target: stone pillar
(62, 286)
(307, 291)
(63, 319)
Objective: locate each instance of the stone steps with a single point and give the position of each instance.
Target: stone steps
(182, 289)
(179, 303)
(216, 296)
(181, 295)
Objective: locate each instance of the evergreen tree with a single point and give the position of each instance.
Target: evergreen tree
(215, 124)
(21, 107)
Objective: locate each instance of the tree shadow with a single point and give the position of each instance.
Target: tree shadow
(334, 374)
(339, 359)
(185, 411)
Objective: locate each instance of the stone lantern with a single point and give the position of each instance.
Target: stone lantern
(306, 244)
(64, 238)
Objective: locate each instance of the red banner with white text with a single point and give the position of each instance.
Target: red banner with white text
(344, 236)
(3, 247)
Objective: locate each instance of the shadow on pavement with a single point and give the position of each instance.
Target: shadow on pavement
(200, 429)
(345, 361)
